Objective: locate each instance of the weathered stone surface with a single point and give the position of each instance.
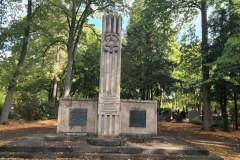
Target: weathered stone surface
(106, 141)
(193, 114)
(110, 69)
(66, 105)
(155, 148)
(137, 118)
(78, 117)
(130, 150)
(151, 116)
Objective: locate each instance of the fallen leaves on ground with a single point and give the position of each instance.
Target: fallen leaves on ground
(224, 144)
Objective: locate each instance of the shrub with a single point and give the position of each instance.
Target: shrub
(27, 106)
(45, 111)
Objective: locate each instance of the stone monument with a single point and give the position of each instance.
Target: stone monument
(110, 68)
(109, 115)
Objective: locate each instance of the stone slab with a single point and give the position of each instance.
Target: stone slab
(193, 114)
(137, 118)
(153, 147)
(151, 117)
(64, 113)
(78, 117)
(106, 141)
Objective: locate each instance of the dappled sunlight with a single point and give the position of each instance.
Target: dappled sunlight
(48, 122)
(2, 142)
(13, 125)
(224, 144)
(157, 146)
(212, 143)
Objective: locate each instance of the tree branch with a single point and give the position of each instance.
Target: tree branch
(193, 4)
(66, 14)
(34, 12)
(83, 14)
(94, 32)
(80, 4)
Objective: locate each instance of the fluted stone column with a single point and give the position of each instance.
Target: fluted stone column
(110, 69)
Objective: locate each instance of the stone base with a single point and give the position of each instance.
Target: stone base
(62, 146)
(104, 141)
(136, 117)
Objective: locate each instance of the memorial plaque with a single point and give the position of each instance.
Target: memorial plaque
(137, 118)
(78, 117)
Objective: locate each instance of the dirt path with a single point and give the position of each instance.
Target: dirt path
(224, 144)
(17, 129)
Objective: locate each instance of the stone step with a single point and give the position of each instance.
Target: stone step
(106, 141)
(49, 155)
(104, 149)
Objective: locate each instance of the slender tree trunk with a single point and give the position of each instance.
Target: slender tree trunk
(17, 72)
(235, 110)
(70, 46)
(67, 83)
(160, 98)
(75, 31)
(223, 103)
(207, 120)
(55, 85)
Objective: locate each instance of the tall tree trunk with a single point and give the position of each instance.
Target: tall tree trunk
(207, 120)
(67, 82)
(223, 103)
(70, 44)
(55, 85)
(75, 30)
(235, 110)
(17, 72)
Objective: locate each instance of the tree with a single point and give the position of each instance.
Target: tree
(188, 71)
(226, 49)
(17, 72)
(146, 67)
(207, 113)
(86, 72)
(76, 13)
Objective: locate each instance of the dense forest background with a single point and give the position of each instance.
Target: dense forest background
(49, 50)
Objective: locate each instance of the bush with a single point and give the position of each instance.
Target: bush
(27, 106)
(46, 111)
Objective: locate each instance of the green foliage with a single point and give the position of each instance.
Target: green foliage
(86, 67)
(225, 29)
(29, 107)
(152, 58)
(146, 66)
(24, 107)
(45, 110)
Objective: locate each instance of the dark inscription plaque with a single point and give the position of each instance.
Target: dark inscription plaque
(137, 118)
(78, 117)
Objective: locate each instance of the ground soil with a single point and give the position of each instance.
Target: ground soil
(224, 144)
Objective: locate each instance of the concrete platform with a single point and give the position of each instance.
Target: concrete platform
(67, 146)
